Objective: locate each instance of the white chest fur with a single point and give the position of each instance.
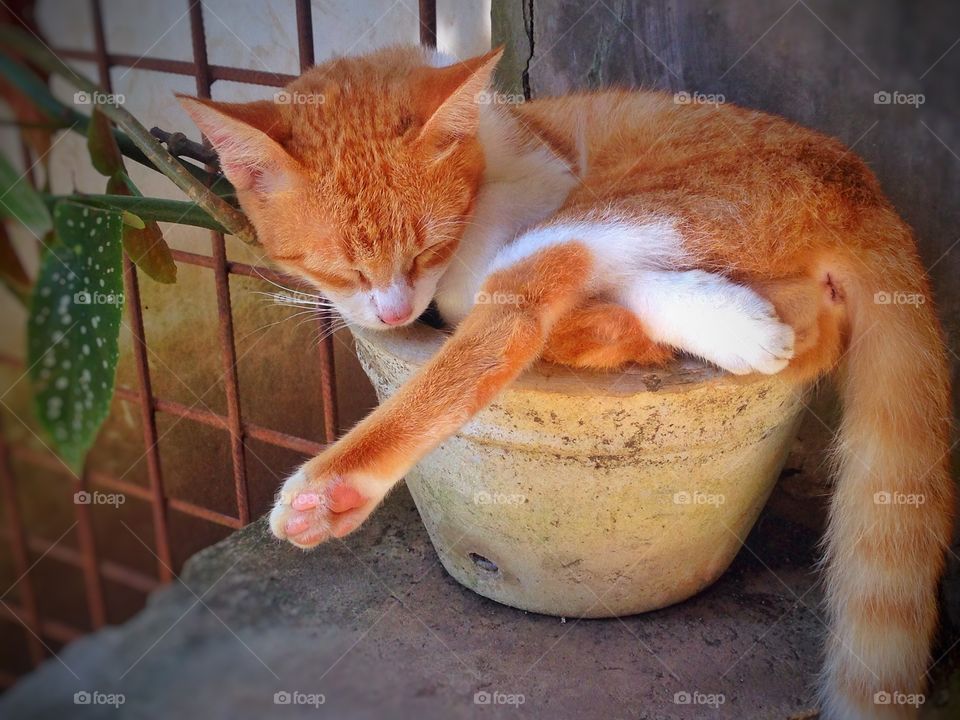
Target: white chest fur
(523, 184)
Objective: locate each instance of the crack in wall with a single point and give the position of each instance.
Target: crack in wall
(528, 27)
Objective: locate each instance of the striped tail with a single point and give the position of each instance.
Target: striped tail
(892, 510)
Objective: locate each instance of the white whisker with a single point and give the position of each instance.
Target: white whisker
(295, 299)
(274, 323)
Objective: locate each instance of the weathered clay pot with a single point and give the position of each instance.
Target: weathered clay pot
(595, 495)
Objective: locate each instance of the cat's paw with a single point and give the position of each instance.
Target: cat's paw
(708, 315)
(745, 335)
(314, 506)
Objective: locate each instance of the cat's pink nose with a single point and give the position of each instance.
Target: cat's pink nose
(394, 303)
(395, 316)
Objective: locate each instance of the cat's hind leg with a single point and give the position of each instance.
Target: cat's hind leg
(602, 335)
(710, 316)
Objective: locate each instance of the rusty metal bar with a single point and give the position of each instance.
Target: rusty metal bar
(261, 272)
(228, 350)
(305, 34)
(327, 377)
(207, 417)
(328, 396)
(21, 557)
(53, 629)
(428, 23)
(110, 570)
(51, 463)
(131, 283)
(198, 511)
(92, 582)
(148, 421)
(181, 67)
(273, 437)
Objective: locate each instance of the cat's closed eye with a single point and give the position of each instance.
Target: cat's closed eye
(434, 254)
(363, 280)
(292, 258)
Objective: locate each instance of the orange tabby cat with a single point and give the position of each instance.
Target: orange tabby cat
(617, 226)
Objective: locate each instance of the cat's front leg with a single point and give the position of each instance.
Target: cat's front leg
(333, 493)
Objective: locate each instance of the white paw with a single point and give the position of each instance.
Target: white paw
(707, 315)
(740, 332)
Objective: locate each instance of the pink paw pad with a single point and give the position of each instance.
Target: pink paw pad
(306, 501)
(297, 524)
(343, 498)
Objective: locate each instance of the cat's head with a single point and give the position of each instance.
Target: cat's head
(361, 175)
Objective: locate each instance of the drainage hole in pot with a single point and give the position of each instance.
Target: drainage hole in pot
(483, 563)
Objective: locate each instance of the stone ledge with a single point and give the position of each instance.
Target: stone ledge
(377, 627)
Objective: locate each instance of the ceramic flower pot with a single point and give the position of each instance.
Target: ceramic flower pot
(595, 495)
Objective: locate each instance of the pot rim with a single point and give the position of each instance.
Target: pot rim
(414, 344)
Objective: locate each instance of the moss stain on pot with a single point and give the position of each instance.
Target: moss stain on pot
(595, 495)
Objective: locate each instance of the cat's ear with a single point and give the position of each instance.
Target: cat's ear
(448, 98)
(243, 134)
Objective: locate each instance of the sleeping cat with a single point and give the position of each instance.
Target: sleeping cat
(600, 229)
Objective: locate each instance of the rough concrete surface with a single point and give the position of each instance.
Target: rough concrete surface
(376, 626)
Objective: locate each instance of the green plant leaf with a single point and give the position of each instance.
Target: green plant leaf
(36, 87)
(74, 325)
(145, 245)
(102, 146)
(19, 200)
(12, 273)
(131, 220)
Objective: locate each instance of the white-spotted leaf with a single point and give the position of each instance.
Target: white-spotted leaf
(72, 339)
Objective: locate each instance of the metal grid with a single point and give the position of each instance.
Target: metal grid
(22, 544)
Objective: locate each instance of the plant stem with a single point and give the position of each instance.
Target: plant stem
(232, 220)
(181, 212)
